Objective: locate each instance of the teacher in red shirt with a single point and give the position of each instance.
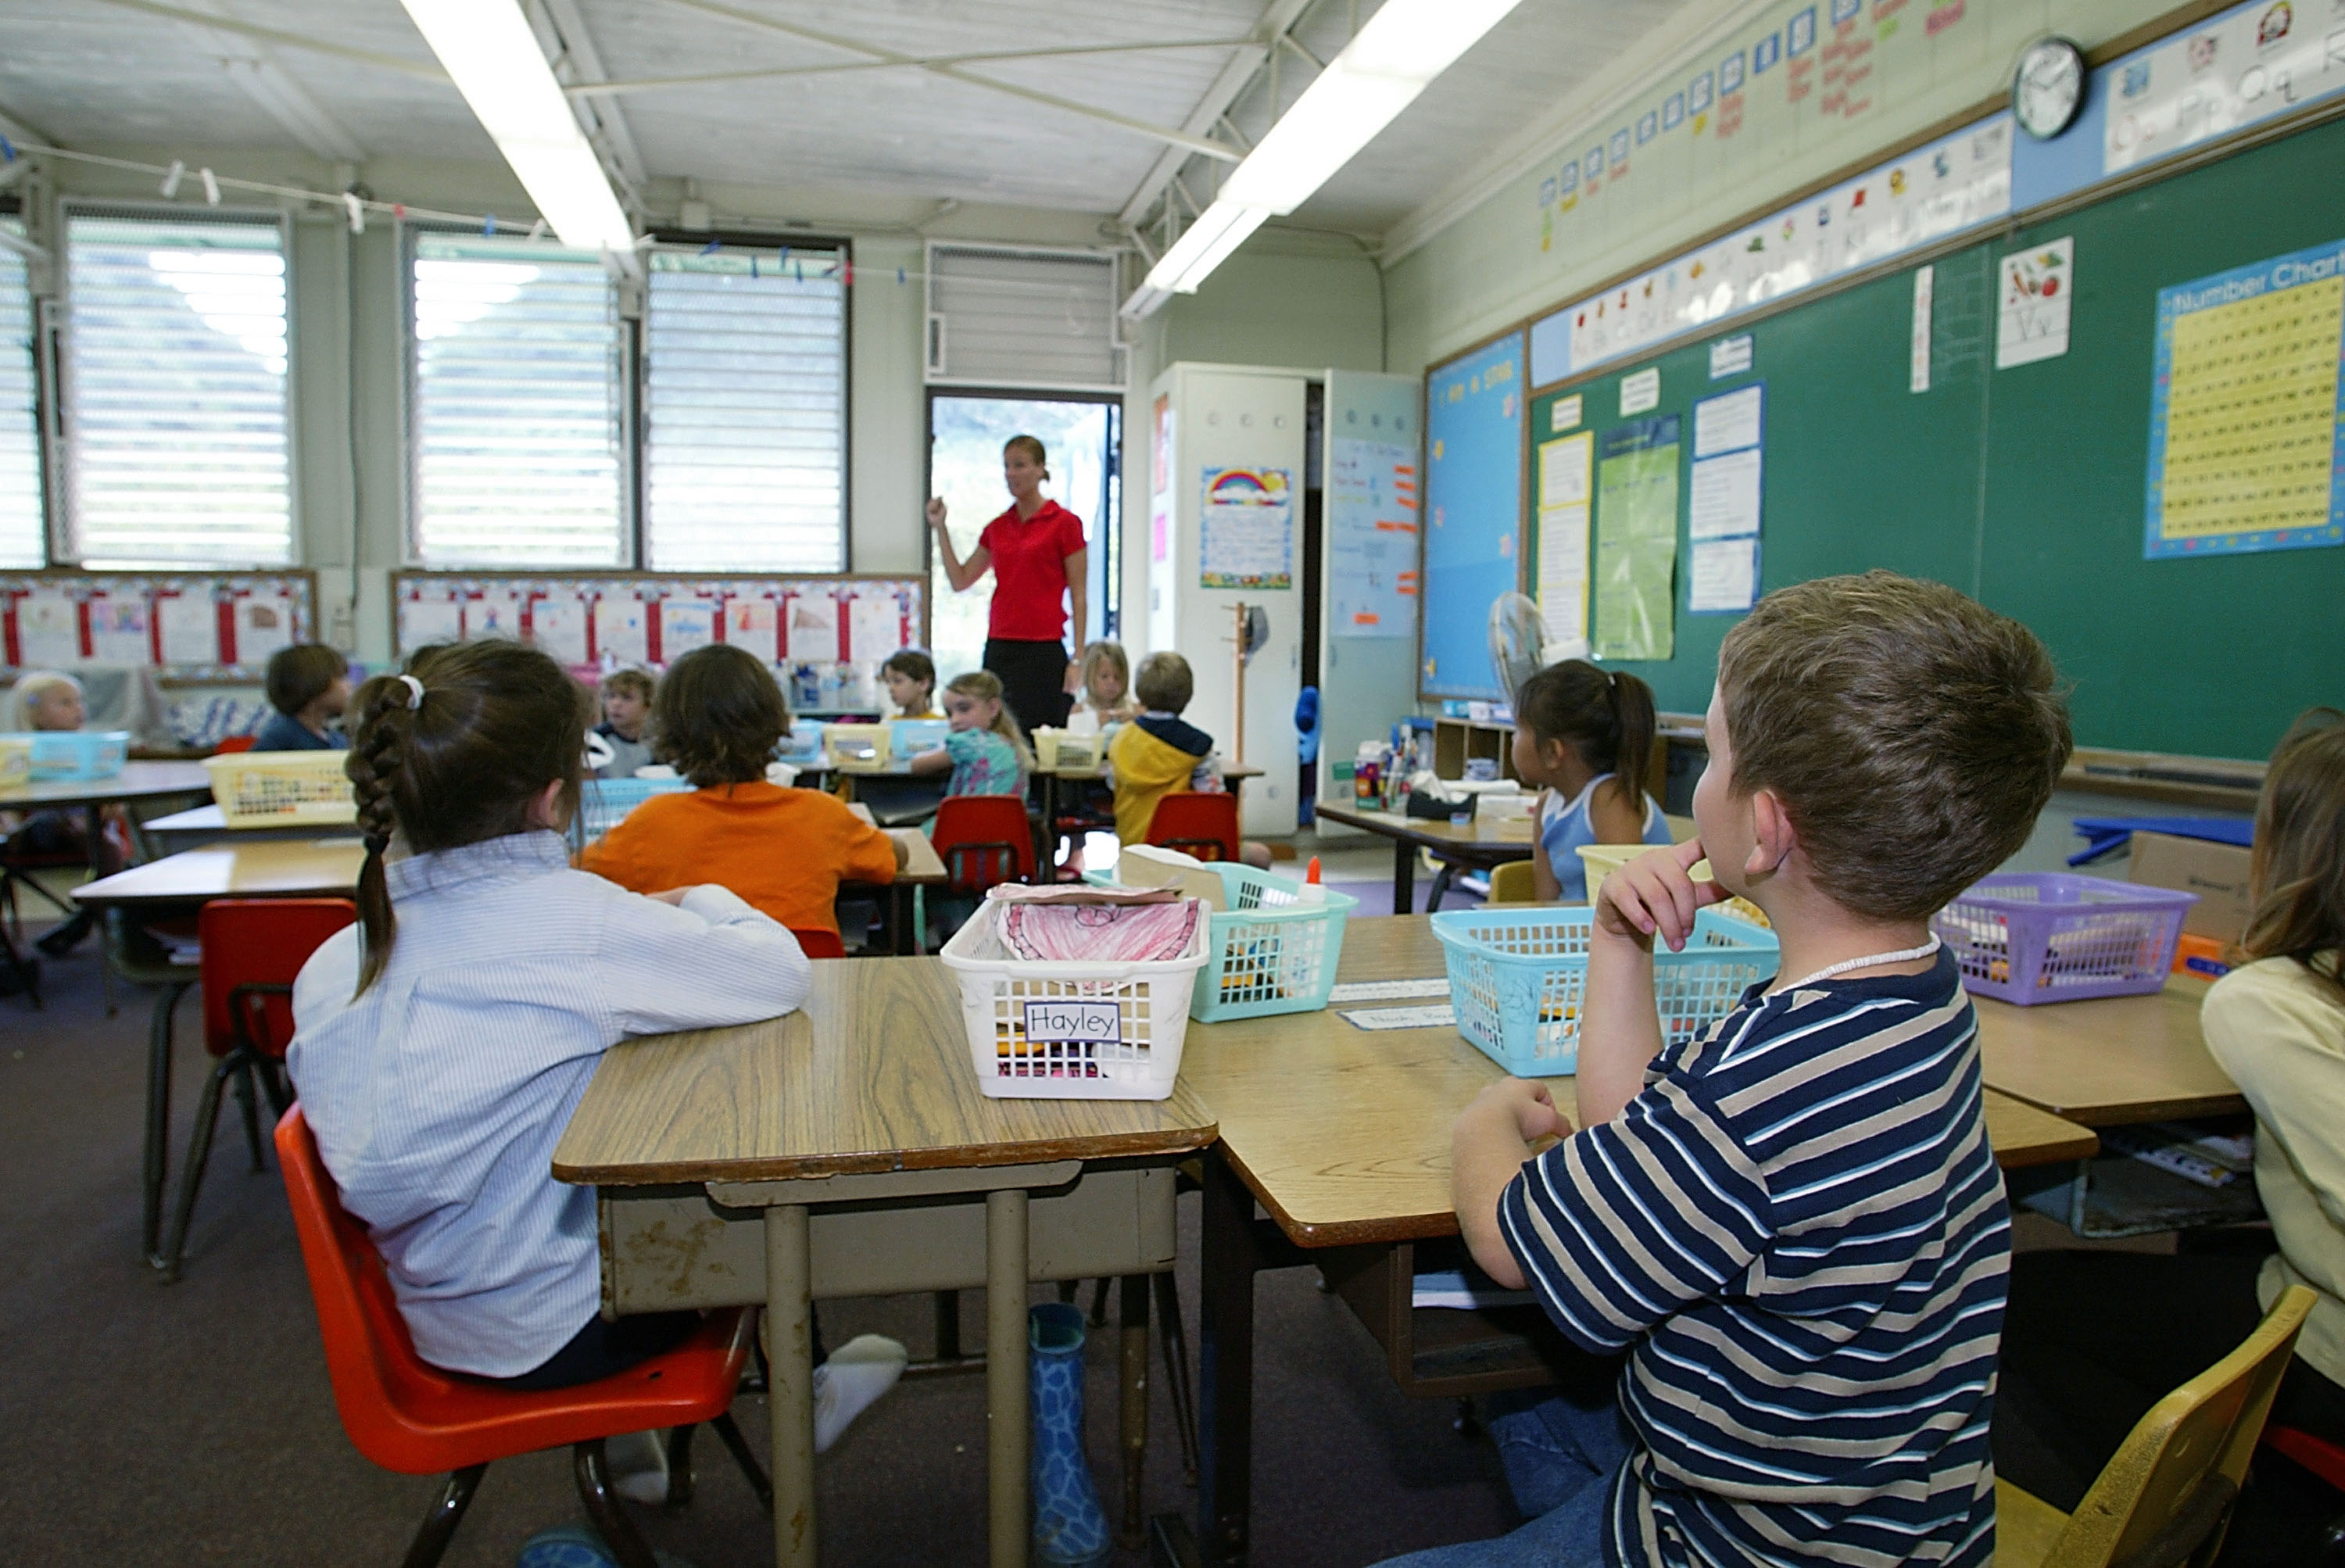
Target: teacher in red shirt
(1036, 553)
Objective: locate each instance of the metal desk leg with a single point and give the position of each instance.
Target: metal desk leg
(156, 1164)
(789, 1328)
(1228, 1260)
(1008, 1420)
(1404, 876)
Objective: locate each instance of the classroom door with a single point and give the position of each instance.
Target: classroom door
(1082, 435)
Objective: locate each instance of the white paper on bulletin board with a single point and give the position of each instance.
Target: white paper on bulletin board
(754, 623)
(1371, 539)
(48, 632)
(189, 625)
(686, 624)
(496, 612)
(1246, 529)
(813, 628)
(264, 625)
(1723, 577)
(874, 626)
(621, 629)
(423, 622)
(557, 625)
(1725, 490)
(1563, 579)
(119, 629)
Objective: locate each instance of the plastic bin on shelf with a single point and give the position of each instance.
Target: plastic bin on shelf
(603, 803)
(282, 788)
(1519, 976)
(60, 756)
(2026, 937)
(1269, 951)
(1068, 1030)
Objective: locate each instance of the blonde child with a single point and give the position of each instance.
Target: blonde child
(715, 718)
(626, 697)
(1160, 754)
(1793, 1225)
(1584, 737)
(911, 677)
(47, 700)
(985, 751)
(1106, 677)
(309, 685)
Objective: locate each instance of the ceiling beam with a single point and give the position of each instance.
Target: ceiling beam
(1179, 138)
(259, 76)
(1278, 19)
(430, 73)
(578, 66)
(654, 83)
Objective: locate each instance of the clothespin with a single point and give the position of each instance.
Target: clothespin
(7, 150)
(212, 186)
(537, 230)
(489, 224)
(710, 249)
(899, 277)
(753, 266)
(171, 178)
(848, 278)
(357, 210)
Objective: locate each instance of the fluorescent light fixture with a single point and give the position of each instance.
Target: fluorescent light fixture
(1219, 230)
(496, 63)
(1400, 50)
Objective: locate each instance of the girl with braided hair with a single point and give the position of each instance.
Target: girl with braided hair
(442, 1042)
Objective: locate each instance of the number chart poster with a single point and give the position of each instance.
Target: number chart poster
(1246, 533)
(2246, 426)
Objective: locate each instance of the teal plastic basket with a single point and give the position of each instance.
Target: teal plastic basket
(1269, 951)
(603, 803)
(59, 755)
(1519, 978)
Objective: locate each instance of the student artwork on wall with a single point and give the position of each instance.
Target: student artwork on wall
(592, 622)
(1246, 529)
(1637, 540)
(2246, 417)
(187, 627)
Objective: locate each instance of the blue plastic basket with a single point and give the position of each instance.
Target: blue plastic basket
(1519, 977)
(603, 803)
(66, 754)
(1269, 951)
(911, 736)
(802, 747)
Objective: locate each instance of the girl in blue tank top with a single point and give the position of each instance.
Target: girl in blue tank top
(1581, 733)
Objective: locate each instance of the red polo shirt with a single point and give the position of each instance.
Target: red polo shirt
(1030, 571)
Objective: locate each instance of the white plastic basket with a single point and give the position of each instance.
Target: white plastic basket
(1053, 1031)
(282, 788)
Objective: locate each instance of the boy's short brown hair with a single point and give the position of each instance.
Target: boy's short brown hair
(717, 715)
(1164, 685)
(630, 679)
(300, 675)
(1912, 734)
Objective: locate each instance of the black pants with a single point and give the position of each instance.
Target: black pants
(2092, 1340)
(602, 1349)
(1033, 680)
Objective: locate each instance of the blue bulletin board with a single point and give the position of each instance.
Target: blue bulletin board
(1473, 513)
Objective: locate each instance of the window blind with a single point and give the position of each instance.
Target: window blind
(745, 413)
(516, 405)
(21, 543)
(176, 431)
(1022, 319)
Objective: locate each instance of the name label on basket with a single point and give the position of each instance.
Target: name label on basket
(1070, 1022)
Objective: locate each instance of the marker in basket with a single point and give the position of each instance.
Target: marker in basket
(1312, 892)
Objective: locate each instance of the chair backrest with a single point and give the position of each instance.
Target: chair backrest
(370, 1356)
(2319, 1455)
(816, 943)
(1514, 883)
(2166, 1494)
(984, 839)
(1206, 825)
(252, 949)
(234, 743)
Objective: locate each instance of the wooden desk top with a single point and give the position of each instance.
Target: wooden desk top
(2109, 1062)
(873, 1074)
(1440, 837)
(271, 869)
(1344, 1135)
(136, 781)
(922, 864)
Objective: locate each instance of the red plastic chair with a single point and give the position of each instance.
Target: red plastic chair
(251, 950)
(984, 839)
(2325, 1459)
(1204, 825)
(409, 1416)
(234, 743)
(816, 943)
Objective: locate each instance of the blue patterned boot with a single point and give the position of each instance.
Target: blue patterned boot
(1070, 1527)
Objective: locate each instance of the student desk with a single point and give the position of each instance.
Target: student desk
(837, 1125)
(1466, 842)
(1233, 774)
(1343, 1135)
(2108, 1063)
(201, 825)
(136, 781)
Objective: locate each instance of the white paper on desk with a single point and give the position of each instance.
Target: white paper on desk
(1450, 1288)
(118, 629)
(875, 627)
(48, 632)
(190, 629)
(425, 622)
(1724, 576)
(1385, 990)
(1378, 1018)
(1728, 422)
(1724, 503)
(621, 629)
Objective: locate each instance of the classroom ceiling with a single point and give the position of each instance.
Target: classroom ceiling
(91, 72)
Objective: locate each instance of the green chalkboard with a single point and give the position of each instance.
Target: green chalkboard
(2025, 487)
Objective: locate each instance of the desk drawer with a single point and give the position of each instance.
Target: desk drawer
(665, 1248)
(1436, 1352)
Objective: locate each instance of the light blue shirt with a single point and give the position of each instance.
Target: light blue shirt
(1564, 826)
(437, 1097)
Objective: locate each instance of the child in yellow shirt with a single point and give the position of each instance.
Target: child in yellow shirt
(1159, 754)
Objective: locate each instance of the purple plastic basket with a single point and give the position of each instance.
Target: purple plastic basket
(2039, 936)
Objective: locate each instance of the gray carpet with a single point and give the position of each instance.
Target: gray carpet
(194, 1423)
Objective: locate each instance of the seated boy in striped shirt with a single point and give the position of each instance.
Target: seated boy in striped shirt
(1793, 1225)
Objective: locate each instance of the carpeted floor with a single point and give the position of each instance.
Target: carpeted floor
(194, 1423)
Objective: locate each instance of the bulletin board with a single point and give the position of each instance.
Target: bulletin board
(588, 619)
(191, 627)
(1474, 413)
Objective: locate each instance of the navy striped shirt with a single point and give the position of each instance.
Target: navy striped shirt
(1799, 1227)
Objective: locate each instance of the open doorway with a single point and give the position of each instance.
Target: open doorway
(1082, 432)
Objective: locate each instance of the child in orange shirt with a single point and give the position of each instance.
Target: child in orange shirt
(715, 718)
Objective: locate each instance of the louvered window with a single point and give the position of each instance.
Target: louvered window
(516, 412)
(175, 438)
(21, 543)
(1008, 318)
(744, 412)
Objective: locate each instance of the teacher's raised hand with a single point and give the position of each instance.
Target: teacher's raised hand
(936, 512)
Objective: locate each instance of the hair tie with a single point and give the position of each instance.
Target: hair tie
(376, 843)
(414, 692)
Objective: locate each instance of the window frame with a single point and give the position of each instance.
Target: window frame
(37, 313)
(59, 335)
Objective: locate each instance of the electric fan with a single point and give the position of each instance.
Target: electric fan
(1517, 641)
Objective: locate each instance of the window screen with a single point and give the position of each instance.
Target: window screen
(21, 543)
(1021, 318)
(745, 413)
(517, 407)
(175, 430)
